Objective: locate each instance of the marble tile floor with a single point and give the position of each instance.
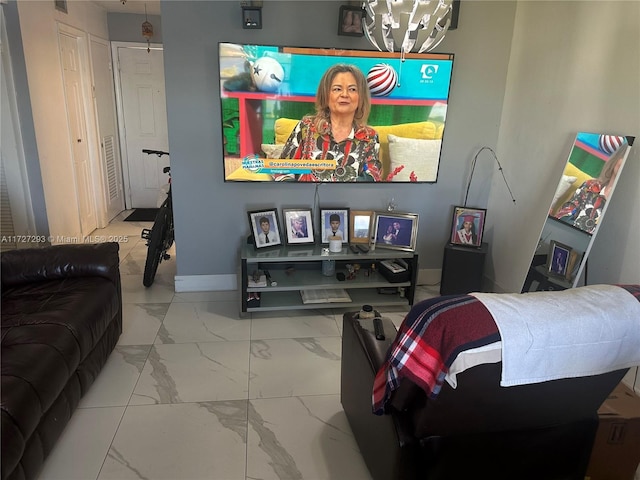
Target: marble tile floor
(192, 391)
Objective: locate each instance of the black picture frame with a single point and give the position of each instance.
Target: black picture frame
(298, 225)
(459, 234)
(252, 18)
(350, 21)
(325, 224)
(559, 255)
(61, 5)
(256, 220)
(455, 14)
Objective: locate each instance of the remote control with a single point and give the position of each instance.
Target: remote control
(363, 248)
(378, 328)
(354, 249)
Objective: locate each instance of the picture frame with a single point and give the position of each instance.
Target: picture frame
(61, 5)
(469, 235)
(265, 229)
(298, 225)
(328, 218)
(350, 21)
(397, 231)
(360, 226)
(558, 259)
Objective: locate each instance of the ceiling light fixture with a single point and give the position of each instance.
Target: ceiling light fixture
(402, 25)
(147, 29)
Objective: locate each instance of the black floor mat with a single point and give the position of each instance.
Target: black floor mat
(142, 215)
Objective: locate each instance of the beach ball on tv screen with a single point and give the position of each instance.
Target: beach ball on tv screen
(381, 79)
(267, 74)
(610, 143)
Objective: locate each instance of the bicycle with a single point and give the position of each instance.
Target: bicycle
(161, 235)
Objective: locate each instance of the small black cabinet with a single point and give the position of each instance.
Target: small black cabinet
(462, 269)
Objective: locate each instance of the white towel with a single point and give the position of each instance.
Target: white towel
(565, 334)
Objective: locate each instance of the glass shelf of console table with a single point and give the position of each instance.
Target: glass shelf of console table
(290, 300)
(297, 277)
(316, 252)
(296, 268)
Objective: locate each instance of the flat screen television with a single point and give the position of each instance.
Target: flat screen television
(265, 90)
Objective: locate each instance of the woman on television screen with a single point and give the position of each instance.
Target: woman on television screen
(336, 141)
(584, 208)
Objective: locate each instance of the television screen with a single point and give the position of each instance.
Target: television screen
(266, 90)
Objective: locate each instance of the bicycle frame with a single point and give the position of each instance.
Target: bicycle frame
(161, 236)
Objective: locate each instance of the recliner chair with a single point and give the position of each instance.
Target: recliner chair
(477, 430)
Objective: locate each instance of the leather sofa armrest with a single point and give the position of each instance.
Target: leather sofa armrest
(57, 262)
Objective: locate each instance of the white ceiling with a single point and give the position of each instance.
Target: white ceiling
(130, 6)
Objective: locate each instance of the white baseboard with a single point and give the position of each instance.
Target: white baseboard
(205, 283)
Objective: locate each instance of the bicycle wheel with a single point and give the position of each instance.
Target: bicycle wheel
(155, 249)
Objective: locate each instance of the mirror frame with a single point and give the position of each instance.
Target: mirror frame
(584, 177)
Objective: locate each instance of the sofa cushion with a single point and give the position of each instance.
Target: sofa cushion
(48, 329)
(81, 306)
(416, 159)
(565, 184)
(580, 177)
(272, 150)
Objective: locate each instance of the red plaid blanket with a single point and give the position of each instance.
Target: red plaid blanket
(429, 340)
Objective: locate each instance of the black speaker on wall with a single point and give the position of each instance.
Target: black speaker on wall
(462, 269)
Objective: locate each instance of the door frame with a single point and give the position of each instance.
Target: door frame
(95, 185)
(122, 134)
(13, 156)
(105, 210)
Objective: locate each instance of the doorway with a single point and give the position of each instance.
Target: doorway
(72, 58)
(142, 119)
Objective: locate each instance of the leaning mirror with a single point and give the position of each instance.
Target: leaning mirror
(578, 207)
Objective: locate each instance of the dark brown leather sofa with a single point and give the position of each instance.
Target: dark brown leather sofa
(478, 430)
(61, 318)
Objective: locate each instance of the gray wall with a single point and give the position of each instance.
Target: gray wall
(210, 215)
(580, 73)
(127, 27)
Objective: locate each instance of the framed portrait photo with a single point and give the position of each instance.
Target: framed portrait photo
(558, 260)
(334, 224)
(350, 21)
(398, 231)
(468, 226)
(264, 227)
(61, 5)
(298, 225)
(360, 225)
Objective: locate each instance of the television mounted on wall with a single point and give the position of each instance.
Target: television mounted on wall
(265, 90)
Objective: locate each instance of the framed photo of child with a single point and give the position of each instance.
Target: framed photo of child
(264, 228)
(298, 223)
(334, 224)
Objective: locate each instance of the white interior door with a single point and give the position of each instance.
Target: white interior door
(144, 118)
(73, 81)
(104, 99)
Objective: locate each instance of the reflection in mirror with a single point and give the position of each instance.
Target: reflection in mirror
(578, 207)
(593, 167)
